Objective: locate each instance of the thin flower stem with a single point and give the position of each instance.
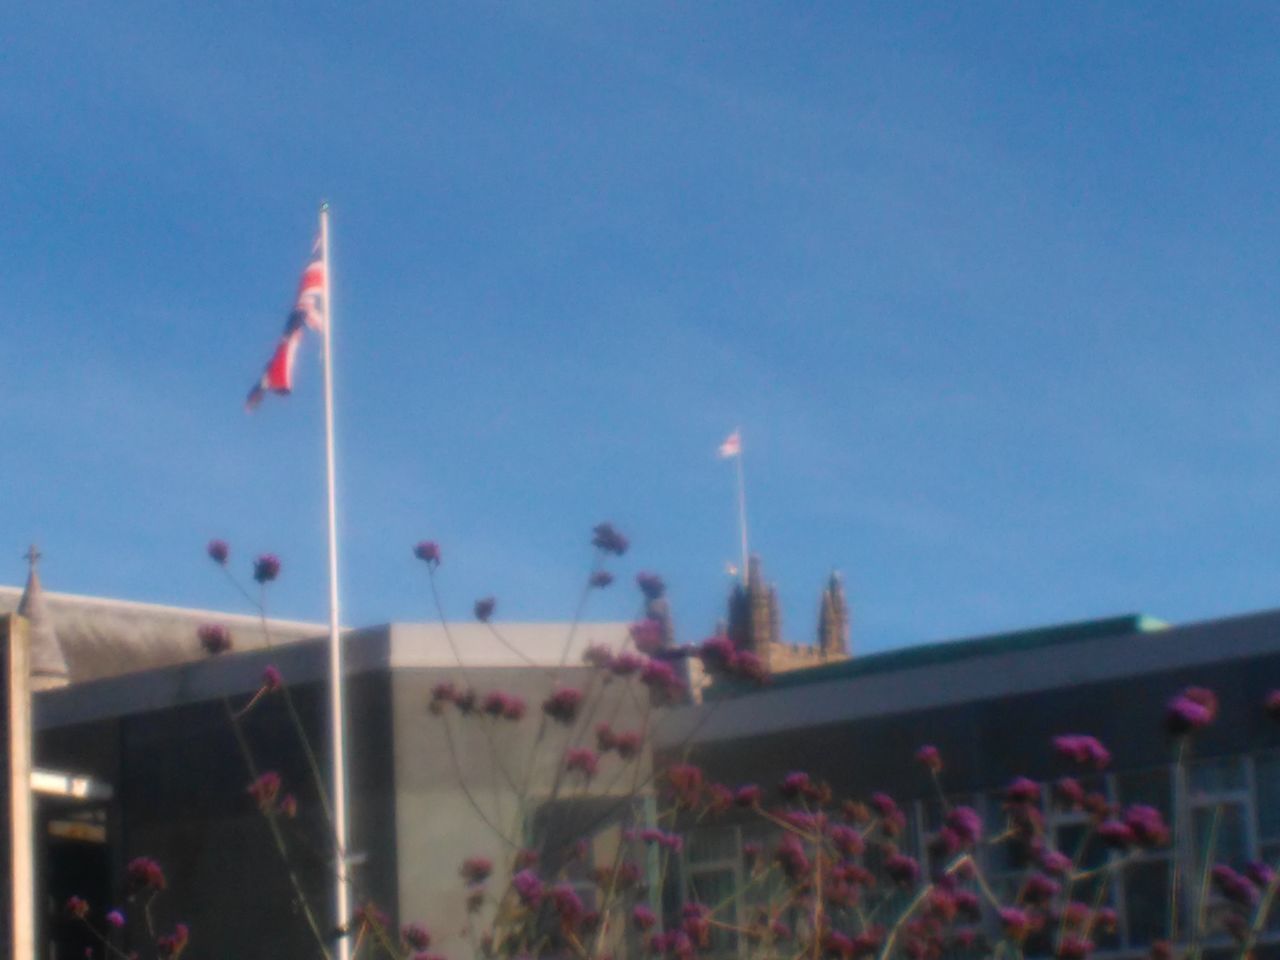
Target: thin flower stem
(1178, 804)
(1261, 914)
(276, 836)
(497, 634)
(466, 791)
(110, 947)
(462, 669)
(1202, 900)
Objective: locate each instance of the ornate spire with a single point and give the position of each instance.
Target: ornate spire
(833, 620)
(48, 665)
(754, 622)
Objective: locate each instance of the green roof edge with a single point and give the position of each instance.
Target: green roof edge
(949, 651)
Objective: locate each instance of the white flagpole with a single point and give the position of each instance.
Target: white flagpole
(337, 712)
(742, 507)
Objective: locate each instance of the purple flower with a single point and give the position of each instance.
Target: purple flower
(607, 539)
(1016, 923)
(266, 568)
(884, 805)
(642, 917)
(567, 904)
(527, 887)
(650, 585)
(416, 936)
(1074, 947)
(1082, 749)
(659, 677)
(583, 760)
(218, 552)
(795, 784)
(265, 789)
(1260, 874)
(173, 944)
(1191, 710)
(476, 869)
(847, 840)
(930, 758)
(791, 856)
(902, 869)
(289, 805)
(143, 874)
(601, 579)
(649, 636)
(718, 653)
(966, 824)
(1056, 863)
(506, 706)
(686, 782)
(77, 907)
(628, 743)
(626, 663)
(749, 666)
(1039, 888)
(1022, 791)
(562, 706)
(1233, 886)
(598, 655)
(1115, 834)
(428, 551)
(272, 681)
(695, 920)
(484, 608)
(1068, 792)
(747, 795)
(214, 637)
(1272, 704)
(115, 919)
(1147, 826)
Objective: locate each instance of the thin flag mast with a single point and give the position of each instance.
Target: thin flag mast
(732, 449)
(337, 709)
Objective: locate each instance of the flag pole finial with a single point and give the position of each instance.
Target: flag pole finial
(324, 206)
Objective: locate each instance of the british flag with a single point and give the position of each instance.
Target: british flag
(308, 312)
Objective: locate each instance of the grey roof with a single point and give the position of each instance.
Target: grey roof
(48, 665)
(99, 638)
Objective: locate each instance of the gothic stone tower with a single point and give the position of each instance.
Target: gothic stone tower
(833, 620)
(754, 623)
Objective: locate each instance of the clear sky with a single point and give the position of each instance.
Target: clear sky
(991, 289)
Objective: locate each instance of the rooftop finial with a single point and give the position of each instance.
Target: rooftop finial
(32, 556)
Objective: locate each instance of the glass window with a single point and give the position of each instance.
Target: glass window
(1230, 842)
(1219, 775)
(1151, 788)
(1146, 894)
(1266, 771)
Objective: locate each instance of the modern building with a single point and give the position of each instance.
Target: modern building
(992, 705)
(136, 709)
(165, 741)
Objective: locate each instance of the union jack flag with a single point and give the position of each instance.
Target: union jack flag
(308, 312)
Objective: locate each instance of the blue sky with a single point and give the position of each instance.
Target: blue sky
(991, 291)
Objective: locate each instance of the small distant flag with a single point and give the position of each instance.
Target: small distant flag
(308, 312)
(732, 446)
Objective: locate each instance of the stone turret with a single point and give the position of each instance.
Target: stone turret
(48, 665)
(754, 621)
(833, 620)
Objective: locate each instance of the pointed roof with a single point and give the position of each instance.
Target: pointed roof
(48, 665)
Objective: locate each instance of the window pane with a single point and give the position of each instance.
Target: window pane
(712, 845)
(1216, 776)
(1148, 787)
(1231, 844)
(1267, 772)
(1146, 891)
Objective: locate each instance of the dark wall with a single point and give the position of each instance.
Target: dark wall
(986, 743)
(181, 782)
